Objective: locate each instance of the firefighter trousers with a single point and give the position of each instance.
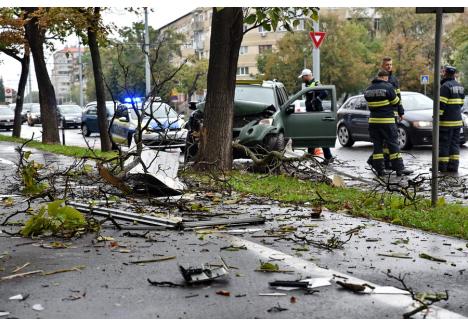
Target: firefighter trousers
(449, 148)
(385, 133)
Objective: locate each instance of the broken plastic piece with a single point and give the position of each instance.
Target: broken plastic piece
(225, 293)
(38, 307)
(204, 273)
(19, 297)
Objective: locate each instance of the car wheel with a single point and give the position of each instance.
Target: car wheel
(275, 142)
(403, 138)
(344, 136)
(85, 130)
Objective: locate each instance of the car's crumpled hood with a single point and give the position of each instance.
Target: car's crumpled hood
(242, 108)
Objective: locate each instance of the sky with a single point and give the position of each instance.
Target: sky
(10, 69)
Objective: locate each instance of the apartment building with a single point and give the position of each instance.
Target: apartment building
(65, 73)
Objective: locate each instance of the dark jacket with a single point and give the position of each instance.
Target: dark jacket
(314, 99)
(452, 96)
(381, 99)
(396, 84)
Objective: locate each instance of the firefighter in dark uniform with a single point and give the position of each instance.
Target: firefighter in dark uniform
(313, 103)
(452, 96)
(382, 99)
(387, 64)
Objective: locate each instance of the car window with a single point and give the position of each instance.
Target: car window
(255, 94)
(361, 104)
(5, 110)
(415, 102)
(69, 109)
(92, 110)
(350, 104)
(160, 110)
(282, 98)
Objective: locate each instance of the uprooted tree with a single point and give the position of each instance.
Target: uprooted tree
(215, 150)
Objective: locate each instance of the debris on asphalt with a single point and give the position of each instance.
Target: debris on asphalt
(388, 290)
(272, 294)
(277, 308)
(356, 288)
(396, 255)
(37, 307)
(11, 277)
(293, 299)
(17, 269)
(165, 284)
(204, 273)
(155, 260)
(74, 297)
(156, 173)
(191, 296)
(271, 268)
(429, 257)
(73, 269)
(19, 297)
(233, 248)
(224, 293)
(310, 283)
(4, 313)
(316, 212)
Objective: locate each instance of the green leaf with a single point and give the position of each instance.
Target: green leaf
(53, 207)
(26, 155)
(250, 19)
(269, 267)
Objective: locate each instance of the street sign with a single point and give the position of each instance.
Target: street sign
(317, 38)
(424, 79)
(8, 91)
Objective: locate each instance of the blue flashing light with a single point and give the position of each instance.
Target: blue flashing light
(132, 100)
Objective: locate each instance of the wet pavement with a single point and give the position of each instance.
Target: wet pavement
(107, 283)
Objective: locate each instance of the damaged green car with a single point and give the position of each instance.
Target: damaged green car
(265, 118)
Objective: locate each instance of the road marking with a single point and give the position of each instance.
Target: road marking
(306, 267)
(4, 161)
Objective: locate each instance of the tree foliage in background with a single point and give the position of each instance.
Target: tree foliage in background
(127, 52)
(409, 39)
(347, 56)
(457, 44)
(192, 78)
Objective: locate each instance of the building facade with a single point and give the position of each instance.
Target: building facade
(66, 74)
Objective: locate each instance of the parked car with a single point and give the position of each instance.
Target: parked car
(69, 115)
(25, 110)
(415, 129)
(265, 117)
(162, 126)
(7, 117)
(33, 116)
(465, 106)
(89, 122)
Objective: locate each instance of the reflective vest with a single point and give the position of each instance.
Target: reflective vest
(381, 99)
(452, 96)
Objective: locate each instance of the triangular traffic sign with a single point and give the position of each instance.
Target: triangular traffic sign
(317, 38)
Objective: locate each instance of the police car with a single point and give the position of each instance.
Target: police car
(162, 127)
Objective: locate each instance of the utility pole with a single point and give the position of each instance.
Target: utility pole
(316, 55)
(80, 71)
(29, 82)
(147, 64)
(436, 109)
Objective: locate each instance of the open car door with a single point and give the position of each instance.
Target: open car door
(311, 129)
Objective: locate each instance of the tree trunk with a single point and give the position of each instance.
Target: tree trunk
(20, 95)
(106, 144)
(215, 150)
(36, 38)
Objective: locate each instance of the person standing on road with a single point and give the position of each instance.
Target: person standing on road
(387, 65)
(382, 98)
(452, 96)
(313, 103)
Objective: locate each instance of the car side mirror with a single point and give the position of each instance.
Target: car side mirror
(192, 105)
(289, 109)
(123, 119)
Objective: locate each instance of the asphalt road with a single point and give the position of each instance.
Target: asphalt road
(109, 285)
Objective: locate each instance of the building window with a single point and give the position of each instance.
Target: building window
(376, 24)
(265, 48)
(242, 71)
(262, 30)
(243, 49)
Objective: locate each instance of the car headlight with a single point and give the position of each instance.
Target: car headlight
(422, 124)
(267, 122)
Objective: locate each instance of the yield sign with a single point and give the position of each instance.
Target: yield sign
(317, 38)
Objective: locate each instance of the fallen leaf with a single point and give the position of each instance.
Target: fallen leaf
(225, 293)
(338, 181)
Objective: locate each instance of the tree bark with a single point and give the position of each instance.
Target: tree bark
(20, 95)
(215, 150)
(36, 38)
(106, 144)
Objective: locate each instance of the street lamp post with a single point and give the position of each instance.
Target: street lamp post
(147, 64)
